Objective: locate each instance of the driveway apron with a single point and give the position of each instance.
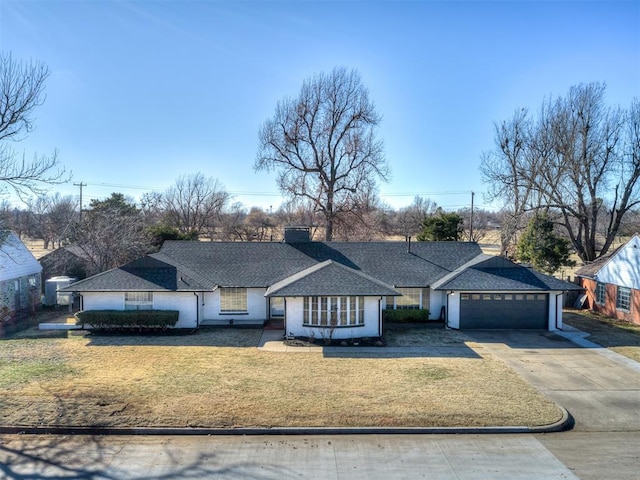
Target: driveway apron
(601, 394)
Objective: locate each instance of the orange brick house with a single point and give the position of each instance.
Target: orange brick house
(612, 283)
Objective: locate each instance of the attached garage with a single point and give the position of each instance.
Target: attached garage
(504, 310)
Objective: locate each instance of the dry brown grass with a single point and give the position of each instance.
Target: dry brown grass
(217, 378)
(617, 335)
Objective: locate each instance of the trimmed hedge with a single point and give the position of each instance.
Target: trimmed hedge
(139, 320)
(406, 316)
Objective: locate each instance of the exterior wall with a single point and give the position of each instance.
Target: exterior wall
(102, 301)
(257, 305)
(18, 294)
(437, 300)
(371, 327)
(624, 267)
(185, 303)
(453, 309)
(554, 316)
(17, 267)
(609, 307)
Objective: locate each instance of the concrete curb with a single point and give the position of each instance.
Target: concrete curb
(565, 423)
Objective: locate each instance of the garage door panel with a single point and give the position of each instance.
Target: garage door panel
(503, 310)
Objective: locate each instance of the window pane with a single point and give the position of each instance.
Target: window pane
(343, 310)
(352, 310)
(360, 310)
(314, 310)
(138, 300)
(623, 299)
(305, 311)
(233, 299)
(410, 298)
(323, 310)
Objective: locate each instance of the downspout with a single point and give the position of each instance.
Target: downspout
(446, 312)
(555, 309)
(197, 309)
(380, 317)
(284, 321)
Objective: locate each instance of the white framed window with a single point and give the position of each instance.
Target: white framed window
(623, 299)
(411, 299)
(233, 300)
(33, 281)
(601, 293)
(138, 300)
(333, 311)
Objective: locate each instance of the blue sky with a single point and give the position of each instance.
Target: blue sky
(143, 92)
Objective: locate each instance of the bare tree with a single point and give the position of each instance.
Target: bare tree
(21, 92)
(193, 204)
(51, 218)
(323, 144)
(408, 220)
(112, 233)
(580, 158)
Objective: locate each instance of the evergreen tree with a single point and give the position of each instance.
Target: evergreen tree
(441, 227)
(541, 247)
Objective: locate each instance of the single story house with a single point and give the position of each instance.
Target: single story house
(67, 261)
(612, 282)
(20, 276)
(329, 288)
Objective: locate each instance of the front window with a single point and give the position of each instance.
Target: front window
(623, 299)
(138, 300)
(333, 311)
(601, 293)
(233, 300)
(410, 299)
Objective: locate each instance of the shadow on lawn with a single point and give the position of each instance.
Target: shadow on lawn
(400, 352)
(99, 458)
(203, 337)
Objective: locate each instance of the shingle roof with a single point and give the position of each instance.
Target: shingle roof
(499, 274)
(591, 269)
(144, 274)
(336, 268)
(330, 278)
(251, 264)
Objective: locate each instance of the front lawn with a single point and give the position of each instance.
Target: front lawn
(218, 378)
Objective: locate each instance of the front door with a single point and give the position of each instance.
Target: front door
(276, 307)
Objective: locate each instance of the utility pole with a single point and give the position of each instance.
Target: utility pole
(471, 220)
(80, 185)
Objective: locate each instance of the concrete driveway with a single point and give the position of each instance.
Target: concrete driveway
(599, 388)
(602, 394)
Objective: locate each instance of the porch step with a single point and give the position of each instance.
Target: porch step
(274, 325)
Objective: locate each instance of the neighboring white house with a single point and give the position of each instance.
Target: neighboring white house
(612, 282)
(20, 276)
(329, 288)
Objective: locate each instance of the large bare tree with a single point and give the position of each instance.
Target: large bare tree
(21, 92)
(579, 159)
(323, 144)
(193, 204)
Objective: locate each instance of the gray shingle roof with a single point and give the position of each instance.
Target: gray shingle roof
(499, 274)
(336, 268)
(330, 278)
(144, 274)
(251, 264)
